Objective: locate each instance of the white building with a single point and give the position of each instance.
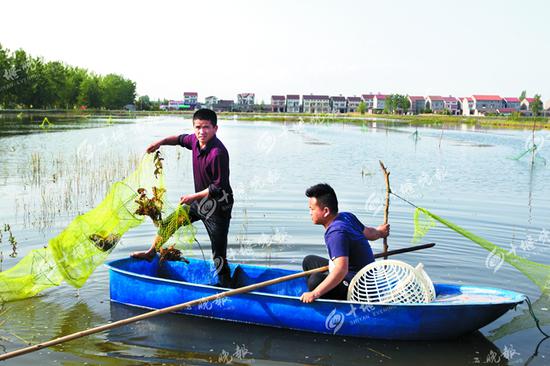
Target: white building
(210, 101)
(467, 106)
(369, 101)
(293, 103)
(338, 104)
(316, 103)
(245, 99)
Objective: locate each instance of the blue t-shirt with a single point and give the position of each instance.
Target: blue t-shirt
(344, 238)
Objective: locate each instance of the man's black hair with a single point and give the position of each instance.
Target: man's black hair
(325, 195)
(206, 115)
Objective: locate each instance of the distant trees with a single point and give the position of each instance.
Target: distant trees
(362, 107)
(29, 82)
(397, 103)
(536, 105)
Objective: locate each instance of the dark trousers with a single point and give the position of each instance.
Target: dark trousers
(217, 227)
(340, 292)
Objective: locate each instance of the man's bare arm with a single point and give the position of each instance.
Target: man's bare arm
(170, 140)
(375, 233)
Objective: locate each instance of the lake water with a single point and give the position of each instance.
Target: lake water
(466, 175)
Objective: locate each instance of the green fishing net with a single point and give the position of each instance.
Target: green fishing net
(422, 224)
(538, 273)
(178, 219)
(85, 243)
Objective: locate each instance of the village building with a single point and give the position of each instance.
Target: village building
(417, 104)
(293, 103)
(316, 103)
(190, 99)
(338, 104)
(435, 103)
(278, 103)
(353, 104)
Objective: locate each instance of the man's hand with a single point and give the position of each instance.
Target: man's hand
(309, 297)
(384, 230)
(188, 199)
(154, 147)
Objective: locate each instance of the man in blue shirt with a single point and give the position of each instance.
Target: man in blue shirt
(347, 241)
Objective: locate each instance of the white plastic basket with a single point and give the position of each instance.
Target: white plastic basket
(391, 281)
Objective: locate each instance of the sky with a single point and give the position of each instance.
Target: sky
(221, 48)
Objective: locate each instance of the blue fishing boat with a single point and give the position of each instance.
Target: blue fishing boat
(457, 310)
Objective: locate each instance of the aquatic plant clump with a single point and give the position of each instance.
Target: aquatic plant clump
(171, 254)
(151, 207)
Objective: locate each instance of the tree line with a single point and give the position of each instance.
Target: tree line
(30, 82)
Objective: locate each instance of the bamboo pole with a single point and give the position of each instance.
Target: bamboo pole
(387, 208)
(185, 305)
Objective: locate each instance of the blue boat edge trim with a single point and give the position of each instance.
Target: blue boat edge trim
(508, 296)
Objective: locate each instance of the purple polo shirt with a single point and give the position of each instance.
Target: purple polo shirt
(210, 167)
(344, 238)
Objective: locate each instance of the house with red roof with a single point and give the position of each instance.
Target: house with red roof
(512, 102)
(467, 106)
(452, 105)
(417, 104)
(435, 103)
(292, 103)
(316, 103)
(369, 101)
(484, 104)
(353, 104)
(526, 103)
(278, 103)
(379, 102)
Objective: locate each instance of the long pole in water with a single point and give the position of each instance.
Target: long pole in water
(188, 304)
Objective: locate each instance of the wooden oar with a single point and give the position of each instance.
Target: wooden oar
(188, 304)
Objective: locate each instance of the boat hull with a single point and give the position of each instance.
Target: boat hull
(458, 310)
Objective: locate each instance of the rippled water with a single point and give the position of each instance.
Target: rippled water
(463, 174)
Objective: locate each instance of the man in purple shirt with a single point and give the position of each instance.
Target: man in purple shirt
(212, 201)
(347, 241)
